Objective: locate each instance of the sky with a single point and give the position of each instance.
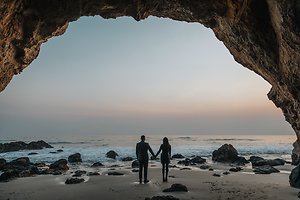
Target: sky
(119, 76)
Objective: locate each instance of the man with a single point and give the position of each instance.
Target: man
(142, 155)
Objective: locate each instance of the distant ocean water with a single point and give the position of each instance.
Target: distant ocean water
(94, 148)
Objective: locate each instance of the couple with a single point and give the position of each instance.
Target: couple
(142, 156)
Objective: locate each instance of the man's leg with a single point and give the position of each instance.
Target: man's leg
(146, 172)
(140, 171)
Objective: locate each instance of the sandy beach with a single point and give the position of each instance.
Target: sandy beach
(200, 183)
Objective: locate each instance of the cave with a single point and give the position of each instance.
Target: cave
(262, 35)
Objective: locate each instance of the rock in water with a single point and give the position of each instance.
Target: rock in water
(60, 165)
(111, 154)
(75, 158)
(162, 198)
(198, 160)
(226, 153)
(295, 177)
(74, 180)
(97, 164)
(17, 146)
(177, 187)
(177, 156)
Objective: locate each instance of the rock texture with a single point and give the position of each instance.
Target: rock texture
(17, 146)
(262, 35)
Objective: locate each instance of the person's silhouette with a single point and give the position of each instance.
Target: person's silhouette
(142, 155)
(165, 149)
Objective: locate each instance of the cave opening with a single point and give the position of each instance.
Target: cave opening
(157, 76)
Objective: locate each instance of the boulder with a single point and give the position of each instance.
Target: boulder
(177, 187)
(2, 163)
(198, 160)
(241, 161)
(294, 177)
(97, 164)
(22, 163)
(226, 153)
(93, 174)
(8, 175)
(32, 153)
(111, 154)
(74, 180)
(177, 156)
(135, 164)
(216, 175)
(17, 146)
(204, 167)
(259, 161)
(296, 153)
(59, 150)
(266, 169)
(185, 162)
(75, 158)
(56, 173)
(235, 169)
(127, 159)
(162, 198)
(226, 173)
(79, 173)
(115, 174)
(61, 164)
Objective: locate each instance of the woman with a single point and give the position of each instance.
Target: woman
(165, 149)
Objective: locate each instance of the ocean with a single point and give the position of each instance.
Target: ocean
(94, 148)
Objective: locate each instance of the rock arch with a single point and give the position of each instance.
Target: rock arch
(262, 35)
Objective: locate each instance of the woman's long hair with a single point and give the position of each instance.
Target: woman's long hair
(166, 141)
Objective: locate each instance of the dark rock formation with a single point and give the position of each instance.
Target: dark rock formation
(177, 156)
(8, 175)
(226, 173)
(2, 163)
(135, 164)
(177, 187)
(79, 173)
(226, 153)
(294, 177)
(261, 35)
(198, 160)
(17, 146)
(111, 154)
(259, 161)
(74, 180)
(127, 159)
(162, 198)
(235, 169)
(93, 174)
(115, 174)
(241, 161)
(32, 153)
(61, 164)
(97, 164)
(216, 175)
(56, 173)
(204, 167)
(75, 158)
(265, 169)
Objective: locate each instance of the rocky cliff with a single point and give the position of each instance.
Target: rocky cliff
(262, 35)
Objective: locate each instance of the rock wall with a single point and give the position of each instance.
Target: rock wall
(262, 35)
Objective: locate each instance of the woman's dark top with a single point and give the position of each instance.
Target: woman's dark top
(165, 153)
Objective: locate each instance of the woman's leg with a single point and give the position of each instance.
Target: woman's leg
(167, 171)
(163, 171)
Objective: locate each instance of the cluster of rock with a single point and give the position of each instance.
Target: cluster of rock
(17, 146)
(228, 154)
(22, 167)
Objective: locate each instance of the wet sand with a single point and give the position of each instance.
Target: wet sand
(200, 183)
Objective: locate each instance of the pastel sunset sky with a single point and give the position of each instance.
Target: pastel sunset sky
(119, 76)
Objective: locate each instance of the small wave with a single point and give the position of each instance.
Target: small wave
(230, 139)
(65, 142)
